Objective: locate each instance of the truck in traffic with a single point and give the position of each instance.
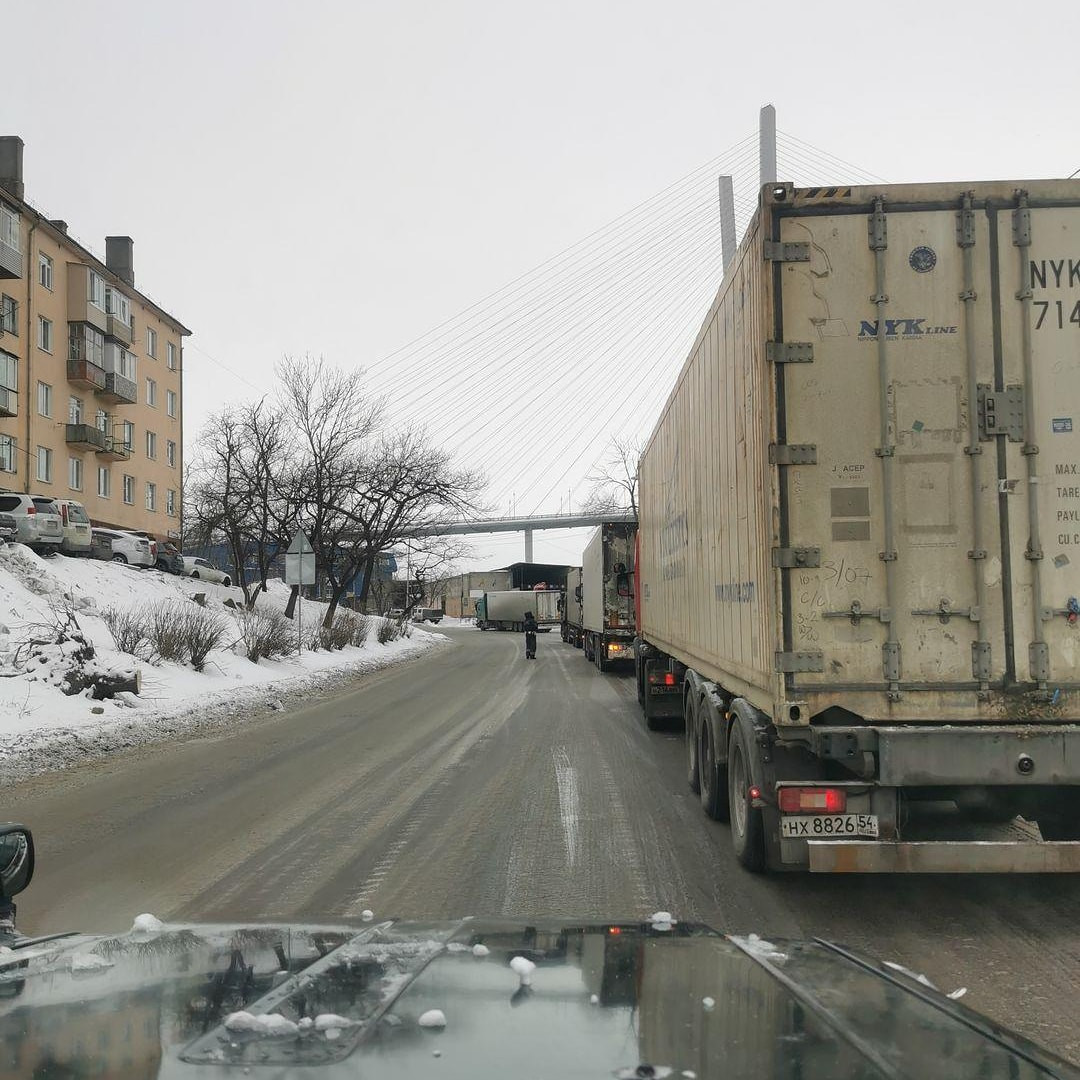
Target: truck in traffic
(859, 539)
(572, 632)
(506, 610)
(607, 594)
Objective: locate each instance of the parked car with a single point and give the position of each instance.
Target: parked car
(428, 614)
(9, 529)
(123, 547)
(205, 570)
(168, 559)
(151, 538)
(37, 520)
(76, 526)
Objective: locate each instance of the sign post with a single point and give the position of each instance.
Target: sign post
(300, 571)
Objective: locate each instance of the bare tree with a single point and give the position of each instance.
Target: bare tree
(614, 480)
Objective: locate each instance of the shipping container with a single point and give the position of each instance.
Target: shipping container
(506, 610)
(607, 606)
(859, 551)
(571, 609)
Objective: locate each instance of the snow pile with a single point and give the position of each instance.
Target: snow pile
(661, 920)
(48, 676)
(524, 969)
(147, 924)
(271, 1024)
(480, 950)
(433, 1018)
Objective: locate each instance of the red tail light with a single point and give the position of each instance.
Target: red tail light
(812, 800)
(31, 510)
(665, 678)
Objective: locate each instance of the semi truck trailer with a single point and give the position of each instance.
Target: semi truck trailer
(506, 610)
(859, 540)
(607, 592)
(572, 632)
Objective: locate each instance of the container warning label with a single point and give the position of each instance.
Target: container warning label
(1061, 425)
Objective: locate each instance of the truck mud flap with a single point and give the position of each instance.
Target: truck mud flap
(943, 857)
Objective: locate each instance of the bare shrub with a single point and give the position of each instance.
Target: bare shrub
(349, 628)
(359, 626)
(265, 633)
(203, 631)
(130, 629)
(389, 630)
(165, 627)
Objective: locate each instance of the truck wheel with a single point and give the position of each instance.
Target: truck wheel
(712, 778)
(693, 775)
(747, 827)
(598, 654)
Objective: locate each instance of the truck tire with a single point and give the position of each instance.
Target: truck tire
(693, 775)
(712, 777)
(747, 826)
(598, 658)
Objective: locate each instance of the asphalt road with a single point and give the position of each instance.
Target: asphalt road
(472, 782)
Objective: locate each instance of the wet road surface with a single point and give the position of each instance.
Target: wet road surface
(469, 782)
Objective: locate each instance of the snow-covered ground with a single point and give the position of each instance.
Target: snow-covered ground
(41, 727)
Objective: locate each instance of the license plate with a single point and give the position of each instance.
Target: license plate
(819, 826)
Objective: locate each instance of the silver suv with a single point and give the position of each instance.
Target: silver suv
(37, 521)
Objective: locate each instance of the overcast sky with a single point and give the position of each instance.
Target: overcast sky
(338, 178)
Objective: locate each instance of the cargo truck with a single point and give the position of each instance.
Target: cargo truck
(607, 595)
(571, 609)
(859, 537)
(506, 610)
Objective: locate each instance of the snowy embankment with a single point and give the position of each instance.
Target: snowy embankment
(43, 727)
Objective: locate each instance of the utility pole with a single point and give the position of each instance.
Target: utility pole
(727, 221)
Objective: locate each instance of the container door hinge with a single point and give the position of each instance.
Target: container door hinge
(1039, 661)
(1001, 412)
(890, 661)
(1021, 222)
(792, 251)
(793, 662)
(789, 352)
(980, 660)
(792, 558)
(792, 454)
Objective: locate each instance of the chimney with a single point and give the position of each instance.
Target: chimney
(11, 155)
(118, 257)
(56, 223)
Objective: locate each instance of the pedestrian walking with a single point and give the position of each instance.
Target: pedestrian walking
(530, 636)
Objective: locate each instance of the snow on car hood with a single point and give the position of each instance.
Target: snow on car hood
(479, 999)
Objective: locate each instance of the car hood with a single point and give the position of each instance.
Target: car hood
(539, 1000)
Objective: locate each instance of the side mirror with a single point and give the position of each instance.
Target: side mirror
(16, 860)
(622, 585)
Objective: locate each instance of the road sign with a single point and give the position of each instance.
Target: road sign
(300, 561)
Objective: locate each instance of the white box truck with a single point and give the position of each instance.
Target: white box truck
(571, 609)
(607, 594)
(505, 610)
(859, 540)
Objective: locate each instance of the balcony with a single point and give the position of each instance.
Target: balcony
(80, 309)
(119, 389)
(115, 449)
(9, 402)
(84, 373)
(85, 437)
(118, 330)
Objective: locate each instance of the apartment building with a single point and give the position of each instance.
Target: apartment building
(91, 371)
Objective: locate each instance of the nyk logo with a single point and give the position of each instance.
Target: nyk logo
(906, 329)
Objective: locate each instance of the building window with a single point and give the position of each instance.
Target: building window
(171, 352)
(151, 341)
(101, 420)
(151, 392)
(170, 502)
(129, 489)
(170, 453)
(7, 453)
(9, 372)
(170, 402)
(151, 496)
(104, 481)
(117, 304)
(9, 227)
(120, 361)
(151, 444)
(44, 464)
(75, 473)
(44, 271)
(129, 435)
(44, 333)
(95, 289)
(44, 399)
(86, 343)
(75, 410)
(9, 315)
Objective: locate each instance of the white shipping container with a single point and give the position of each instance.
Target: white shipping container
(864, 491)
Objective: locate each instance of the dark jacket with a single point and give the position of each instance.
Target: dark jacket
(530, 623)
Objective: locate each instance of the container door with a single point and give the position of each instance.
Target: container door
(890, 540)
(1039, 255)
